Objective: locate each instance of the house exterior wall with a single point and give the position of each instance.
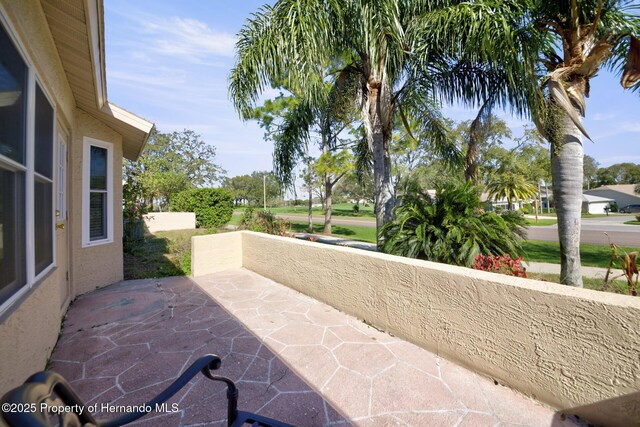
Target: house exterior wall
(571, 348)
(594, 207)
(27, 19)
(29, 328)
(95, 266)
(622, 199)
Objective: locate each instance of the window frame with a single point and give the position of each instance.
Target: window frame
(33, 79)
(61, 166)
(87, 143)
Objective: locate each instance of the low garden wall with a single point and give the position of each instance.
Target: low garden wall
(167, 221)
(568, 347)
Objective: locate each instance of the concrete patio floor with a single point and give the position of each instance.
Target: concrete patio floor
(293, 358)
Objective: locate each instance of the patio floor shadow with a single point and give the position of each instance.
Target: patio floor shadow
(123, 344)
(293, 358)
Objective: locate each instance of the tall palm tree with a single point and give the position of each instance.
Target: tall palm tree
(290, 42)
(591, 34)
(573, 40)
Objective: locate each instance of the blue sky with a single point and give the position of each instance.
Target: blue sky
(168, 61)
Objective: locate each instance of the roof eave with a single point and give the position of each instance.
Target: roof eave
(95, 26)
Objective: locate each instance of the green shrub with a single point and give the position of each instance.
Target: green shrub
(614, 207)
(638, 218)
(356, 209)
(528, 209)
(213, 206)
(452, 228)
(263, 222)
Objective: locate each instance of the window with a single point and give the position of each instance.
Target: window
(61, 204)
(98, 192)
(26, 175)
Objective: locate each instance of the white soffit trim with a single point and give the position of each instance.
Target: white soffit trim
(127, 117)
(95, 23)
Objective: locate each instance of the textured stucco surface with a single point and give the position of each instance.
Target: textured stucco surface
(29, 334)
(95, 266)
(166, 221)
(29, 331)
(564, 346)
(215, 252)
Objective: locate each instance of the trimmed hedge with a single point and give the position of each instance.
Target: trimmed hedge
(213, 206)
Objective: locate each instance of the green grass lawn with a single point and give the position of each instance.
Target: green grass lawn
(235, 220)
(590, 254)
(535, 251)
(618, 286)
(586, 215)
(541, 221)
(365, 234)
(633, 222)
(166, 253)
(339, 209)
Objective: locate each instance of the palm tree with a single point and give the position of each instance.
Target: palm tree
(590, 35)
(290, 43)
(573, 40)
(511, 186)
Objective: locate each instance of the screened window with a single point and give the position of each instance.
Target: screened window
(98, 194)
(61, 203)
(43, 182)
(26, 178)
(98, 165)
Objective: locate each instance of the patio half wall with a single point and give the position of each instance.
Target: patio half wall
(575, 349)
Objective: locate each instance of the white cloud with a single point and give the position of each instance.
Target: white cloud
(600, 117)
(187, 38)
(608, 161)
(630, 127)
(147, 78)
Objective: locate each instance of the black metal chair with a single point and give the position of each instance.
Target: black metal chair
(37, 401)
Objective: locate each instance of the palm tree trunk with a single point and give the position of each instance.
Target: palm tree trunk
(310, 219)
(476, 129)
(470, 161)
(567, 175)
(376, 115)
(328, 188)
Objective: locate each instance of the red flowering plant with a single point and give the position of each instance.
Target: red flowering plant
(502, 264)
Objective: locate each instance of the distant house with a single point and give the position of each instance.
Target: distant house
(623, 194)
(61, 149)
(595, 204)
(503, 203)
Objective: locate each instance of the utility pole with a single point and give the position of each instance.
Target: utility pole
(264, 191)
(546, 194)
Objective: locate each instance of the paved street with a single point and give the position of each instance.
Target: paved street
(593, 229)
(319, 219)
(622, 238)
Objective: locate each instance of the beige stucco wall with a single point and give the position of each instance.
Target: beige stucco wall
(215, 252)
(95, 266)
(564, 346)
(29, 333)
(166, 221)
(29, 330)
